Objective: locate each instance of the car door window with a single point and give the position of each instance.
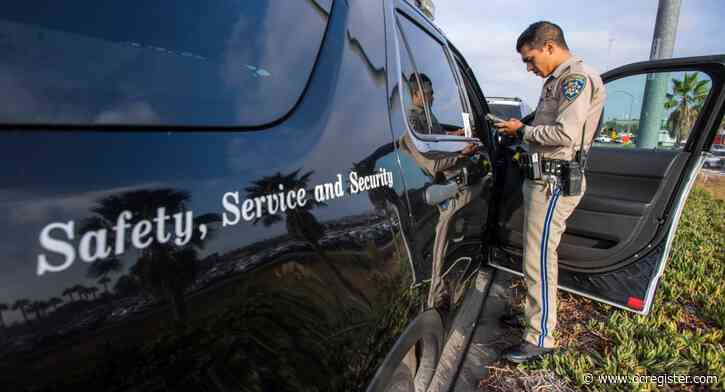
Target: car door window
(653, 111)
(433, 94)
(417, 112)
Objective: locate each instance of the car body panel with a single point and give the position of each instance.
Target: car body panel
(308, 298)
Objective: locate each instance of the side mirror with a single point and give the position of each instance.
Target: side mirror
(427, 7)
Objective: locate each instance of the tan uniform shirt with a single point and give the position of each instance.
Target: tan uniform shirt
(572, 97)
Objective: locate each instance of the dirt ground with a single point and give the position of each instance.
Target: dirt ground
(712, 182)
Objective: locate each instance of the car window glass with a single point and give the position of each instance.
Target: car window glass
(438, 84)
(417, 112)
(652, 111)
(220, 62)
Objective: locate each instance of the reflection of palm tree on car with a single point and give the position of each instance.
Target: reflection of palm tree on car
(165, 270)
(79, 290)
(37, 307)
(54, 302)
(3, 307)
(102, 268)
(126, 285)
(686, 100)
(301, 223)
(104, 281)
(93, 290)
(69, 292)
(22, 305)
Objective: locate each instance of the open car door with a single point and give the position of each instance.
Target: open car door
(659, 120)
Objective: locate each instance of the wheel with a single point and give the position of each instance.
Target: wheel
(411, 363)
(402, 380)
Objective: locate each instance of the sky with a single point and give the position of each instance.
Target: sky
(486, 32)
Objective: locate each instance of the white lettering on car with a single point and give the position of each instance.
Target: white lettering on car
(57, 238)
(57, 246)
(231, 207)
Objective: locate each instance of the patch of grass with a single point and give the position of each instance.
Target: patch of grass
(682, 335)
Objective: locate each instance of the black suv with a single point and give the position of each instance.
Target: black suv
(271, 195)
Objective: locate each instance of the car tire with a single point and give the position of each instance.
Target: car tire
(411, 363)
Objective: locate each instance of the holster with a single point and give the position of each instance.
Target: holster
(531, 165)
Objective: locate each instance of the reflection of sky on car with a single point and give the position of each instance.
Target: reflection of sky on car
(228, 72)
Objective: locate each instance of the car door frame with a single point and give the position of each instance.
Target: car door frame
(701, 137)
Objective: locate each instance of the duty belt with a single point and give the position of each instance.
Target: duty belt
(552, 166)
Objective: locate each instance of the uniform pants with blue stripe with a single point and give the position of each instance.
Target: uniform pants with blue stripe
(545, 215)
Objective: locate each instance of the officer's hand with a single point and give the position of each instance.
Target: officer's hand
(509, 127)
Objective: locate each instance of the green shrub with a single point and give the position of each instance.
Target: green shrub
(682, 335)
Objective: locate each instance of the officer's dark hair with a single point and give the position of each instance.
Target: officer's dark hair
(539, 33)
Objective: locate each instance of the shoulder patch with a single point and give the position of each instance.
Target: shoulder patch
(572, 86)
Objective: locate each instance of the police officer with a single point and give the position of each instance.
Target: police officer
(570, 104)
(421, 90)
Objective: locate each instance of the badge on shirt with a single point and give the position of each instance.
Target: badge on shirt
(548, 93)
(572, 86)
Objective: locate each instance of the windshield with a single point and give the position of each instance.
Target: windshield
(219, 62)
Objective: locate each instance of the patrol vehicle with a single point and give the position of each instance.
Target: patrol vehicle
(229, 195)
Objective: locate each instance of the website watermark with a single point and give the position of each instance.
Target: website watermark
(660, 380)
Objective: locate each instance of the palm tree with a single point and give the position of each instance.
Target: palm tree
(55, 302)
(44, 306)
(126, 285)
(163, 269)
(167, 272)
(301, 224)
(686, 100)
(80, 290)
(3, 307)
(69, 292)
(104, 281)
(21, 305)
(37, 308)
(101, 268)
(93, 290)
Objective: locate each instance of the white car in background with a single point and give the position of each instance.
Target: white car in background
(603, 139)
(664, 139)
(716, 158)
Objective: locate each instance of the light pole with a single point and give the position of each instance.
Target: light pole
(663, 42)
